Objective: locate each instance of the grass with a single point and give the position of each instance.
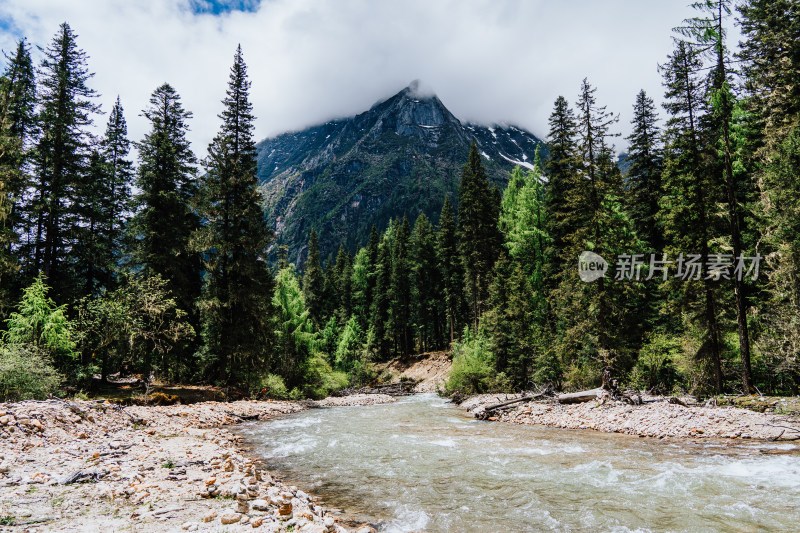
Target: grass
(7, 520)
(169, 463)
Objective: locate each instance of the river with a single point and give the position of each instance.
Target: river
(423, 464)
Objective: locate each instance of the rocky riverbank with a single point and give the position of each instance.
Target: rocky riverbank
(93, 466)
(657, 419)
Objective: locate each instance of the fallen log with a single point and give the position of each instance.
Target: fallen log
(83, 476)
(581, 396)
(511, 402)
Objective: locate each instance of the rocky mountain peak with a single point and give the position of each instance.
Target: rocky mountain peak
(399, 157)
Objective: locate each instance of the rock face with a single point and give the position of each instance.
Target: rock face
(402, 156)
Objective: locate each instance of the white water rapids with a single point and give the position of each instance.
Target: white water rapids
(422, 464)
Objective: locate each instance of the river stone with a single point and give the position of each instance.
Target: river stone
(230, 518)
(260, 505)
(285, 509)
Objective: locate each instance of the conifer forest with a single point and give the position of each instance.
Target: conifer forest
(128, 256)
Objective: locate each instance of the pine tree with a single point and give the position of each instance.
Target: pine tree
(359, 285)
(479, 237)
(115, 148)
(106, 194)
(687, 205)
(426, 291)
(17, 123)
(235, 304)
(707, 35)
(400, 290)
(313, 279)
(164, 223)
(451, 268)
(771, 65)
(644, 171)
(379, 322)
(561, 175)
(343, 274)
(62, 155)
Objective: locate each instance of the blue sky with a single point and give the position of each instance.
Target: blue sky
(490, 61)
(217, 7)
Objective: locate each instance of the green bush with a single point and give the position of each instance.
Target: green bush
(272, 386)
(320, 379)
(42, 324)
(26, 373)
(656, 366)
(473, 367)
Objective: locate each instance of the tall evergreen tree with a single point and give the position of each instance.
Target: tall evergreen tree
(62, 155)
(379, 322)
(164, 223)
(106, 194)
(707, 34)
(560, 169)
(313, 279)
(17, 122)
(451, 268)
(400, 290)
(771, 65)
(343, 272)
(643, 178)
(478, 211)
(689, 194)
(426, 291)
(235, 304)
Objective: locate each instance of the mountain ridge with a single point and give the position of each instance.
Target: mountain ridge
(401, 156)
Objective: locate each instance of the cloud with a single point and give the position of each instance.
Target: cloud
(311, 60)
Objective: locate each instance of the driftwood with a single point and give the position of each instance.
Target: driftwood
(83, 476)
(243, 416)
(581, 396)
(489, 410)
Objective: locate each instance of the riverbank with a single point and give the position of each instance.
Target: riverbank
(656, 419)
(93, 466)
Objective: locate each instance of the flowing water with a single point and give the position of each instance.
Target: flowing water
(423, 464)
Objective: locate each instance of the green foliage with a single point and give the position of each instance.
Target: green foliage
(137, 326)
(479, 237)
(39, 322)
(473, 367)
(350, 346)
(26, 373)
(272, 386)
(655, 368)
(235, 302)
(295, 336)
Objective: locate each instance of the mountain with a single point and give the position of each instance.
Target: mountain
(402, 156)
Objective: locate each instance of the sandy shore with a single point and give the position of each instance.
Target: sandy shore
(658, 419)
(89, 466)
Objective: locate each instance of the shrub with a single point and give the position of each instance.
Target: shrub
(272, 386)
(655, 368)
(26, 373)
(42, 324)
(321, 379)
(473, 366)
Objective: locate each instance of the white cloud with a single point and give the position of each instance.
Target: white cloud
(312, 60)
